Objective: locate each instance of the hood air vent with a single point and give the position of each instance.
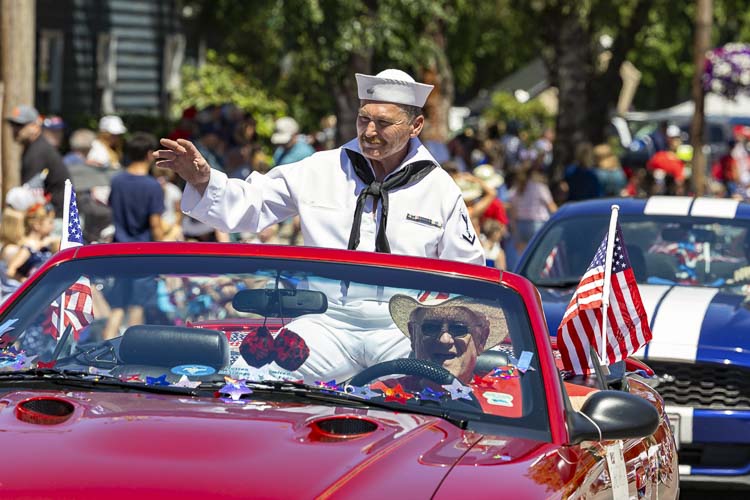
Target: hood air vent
(44, 411)
(339, 428)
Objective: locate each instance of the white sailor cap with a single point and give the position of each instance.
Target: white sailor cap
(392, 85)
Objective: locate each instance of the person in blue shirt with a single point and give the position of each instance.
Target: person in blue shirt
(137, 198)
(290, 146)
(137, 202)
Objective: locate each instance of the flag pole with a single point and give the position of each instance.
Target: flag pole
(608, 281)
(63, 246)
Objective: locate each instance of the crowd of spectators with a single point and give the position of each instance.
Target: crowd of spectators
(505, 173)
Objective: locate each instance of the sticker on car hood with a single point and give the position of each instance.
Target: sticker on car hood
(193, 370)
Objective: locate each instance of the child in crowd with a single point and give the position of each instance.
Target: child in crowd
(37, 246)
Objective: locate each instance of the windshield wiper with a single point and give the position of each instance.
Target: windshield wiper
(83, 379)
(324, 394)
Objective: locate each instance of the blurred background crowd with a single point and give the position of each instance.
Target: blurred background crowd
(502, 167)
(534, 105)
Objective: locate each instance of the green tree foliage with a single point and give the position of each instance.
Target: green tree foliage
(302, 50)
(216, 83)
(532, 114)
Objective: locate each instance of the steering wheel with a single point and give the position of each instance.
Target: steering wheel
(408, 366)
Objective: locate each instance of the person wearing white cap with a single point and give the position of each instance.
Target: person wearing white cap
(290, 146)
(381, 191)
(106, 150)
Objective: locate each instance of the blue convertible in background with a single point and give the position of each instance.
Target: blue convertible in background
(691, 258)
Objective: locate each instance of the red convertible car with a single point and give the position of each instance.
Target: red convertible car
(206, 370)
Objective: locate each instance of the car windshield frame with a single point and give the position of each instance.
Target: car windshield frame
(534, 423)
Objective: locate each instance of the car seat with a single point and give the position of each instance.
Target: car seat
(154, 349)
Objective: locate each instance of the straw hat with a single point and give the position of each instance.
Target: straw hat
(489, 175)
(402, 306)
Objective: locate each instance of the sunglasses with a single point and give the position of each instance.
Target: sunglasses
(433, 328)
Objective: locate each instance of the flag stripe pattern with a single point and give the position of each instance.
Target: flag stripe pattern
(627, 324)
(79, 307)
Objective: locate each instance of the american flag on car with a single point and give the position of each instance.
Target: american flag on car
(627, 329)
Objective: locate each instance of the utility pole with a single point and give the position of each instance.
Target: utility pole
(17, 48)
(703, 24)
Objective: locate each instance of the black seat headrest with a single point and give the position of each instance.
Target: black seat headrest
(489, 360)
(169, 346)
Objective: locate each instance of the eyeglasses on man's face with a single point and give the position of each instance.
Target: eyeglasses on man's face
(380, 123)
(435, 328)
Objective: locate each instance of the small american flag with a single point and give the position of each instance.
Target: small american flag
(79, 308)
(78, 305)
(72, 234)
(235, 339)
(627, 324)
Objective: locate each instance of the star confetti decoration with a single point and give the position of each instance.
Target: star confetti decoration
(362, 392)
(235, 389)
(131, 378)
(331, 385)
(28, 360)
(458, 391)
(503, 372)
(429, 394)
(43, 364)
(186, 382)
(397, 394)
(161, 380)
(11, 351)
(485, 381)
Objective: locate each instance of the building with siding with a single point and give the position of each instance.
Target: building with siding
(97, 57)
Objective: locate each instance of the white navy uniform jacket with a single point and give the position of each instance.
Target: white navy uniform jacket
(427, 218)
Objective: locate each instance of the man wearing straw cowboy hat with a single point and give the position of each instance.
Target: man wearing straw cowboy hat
(453, 331)
(382, 191)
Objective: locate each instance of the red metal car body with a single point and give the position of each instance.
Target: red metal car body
(122, 444)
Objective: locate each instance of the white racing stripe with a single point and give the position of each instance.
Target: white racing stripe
(723, 208)
(677, 326)
(686, 421)
(668, 205)
(650, 296)
(685, 470)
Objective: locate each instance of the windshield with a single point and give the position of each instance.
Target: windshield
(662, 250)
(407, 339)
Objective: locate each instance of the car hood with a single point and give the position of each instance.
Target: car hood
(125, 444)
(688, 323)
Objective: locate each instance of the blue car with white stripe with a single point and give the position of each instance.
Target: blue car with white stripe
(691, 258)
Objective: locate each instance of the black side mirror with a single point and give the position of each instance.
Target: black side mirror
(277, 303)
(617, 414)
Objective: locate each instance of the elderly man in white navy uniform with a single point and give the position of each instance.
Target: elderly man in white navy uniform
(382, 192)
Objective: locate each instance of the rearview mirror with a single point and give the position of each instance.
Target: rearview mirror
(280, 303)
(617, 414)
(674, 234)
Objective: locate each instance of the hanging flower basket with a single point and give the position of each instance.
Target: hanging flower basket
(727, 70)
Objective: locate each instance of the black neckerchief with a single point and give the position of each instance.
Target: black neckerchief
(379, 190)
